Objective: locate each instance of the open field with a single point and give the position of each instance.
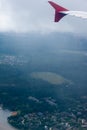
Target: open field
(52, 78)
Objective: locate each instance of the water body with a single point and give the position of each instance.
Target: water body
(4, 125)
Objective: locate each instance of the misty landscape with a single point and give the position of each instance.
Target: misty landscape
(43, 81)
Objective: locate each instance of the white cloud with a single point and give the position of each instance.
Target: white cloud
(37, 16)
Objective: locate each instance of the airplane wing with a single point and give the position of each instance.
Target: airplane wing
(80, 14)
(60, 12)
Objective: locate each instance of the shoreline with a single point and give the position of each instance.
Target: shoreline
(4, 125)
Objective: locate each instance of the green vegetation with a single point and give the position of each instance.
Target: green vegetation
(46, 86)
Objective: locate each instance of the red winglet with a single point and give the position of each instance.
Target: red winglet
(58, 9)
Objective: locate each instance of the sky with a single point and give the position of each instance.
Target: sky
(29, 16)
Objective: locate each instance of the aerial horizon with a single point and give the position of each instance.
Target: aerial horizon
(43, 66)
(26, 16)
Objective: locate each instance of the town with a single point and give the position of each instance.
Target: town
(71, 119)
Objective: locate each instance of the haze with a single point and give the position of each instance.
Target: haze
(37, 16)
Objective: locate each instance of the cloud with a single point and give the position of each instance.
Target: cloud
(37, 16)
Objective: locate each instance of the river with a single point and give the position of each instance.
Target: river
(4, 125)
